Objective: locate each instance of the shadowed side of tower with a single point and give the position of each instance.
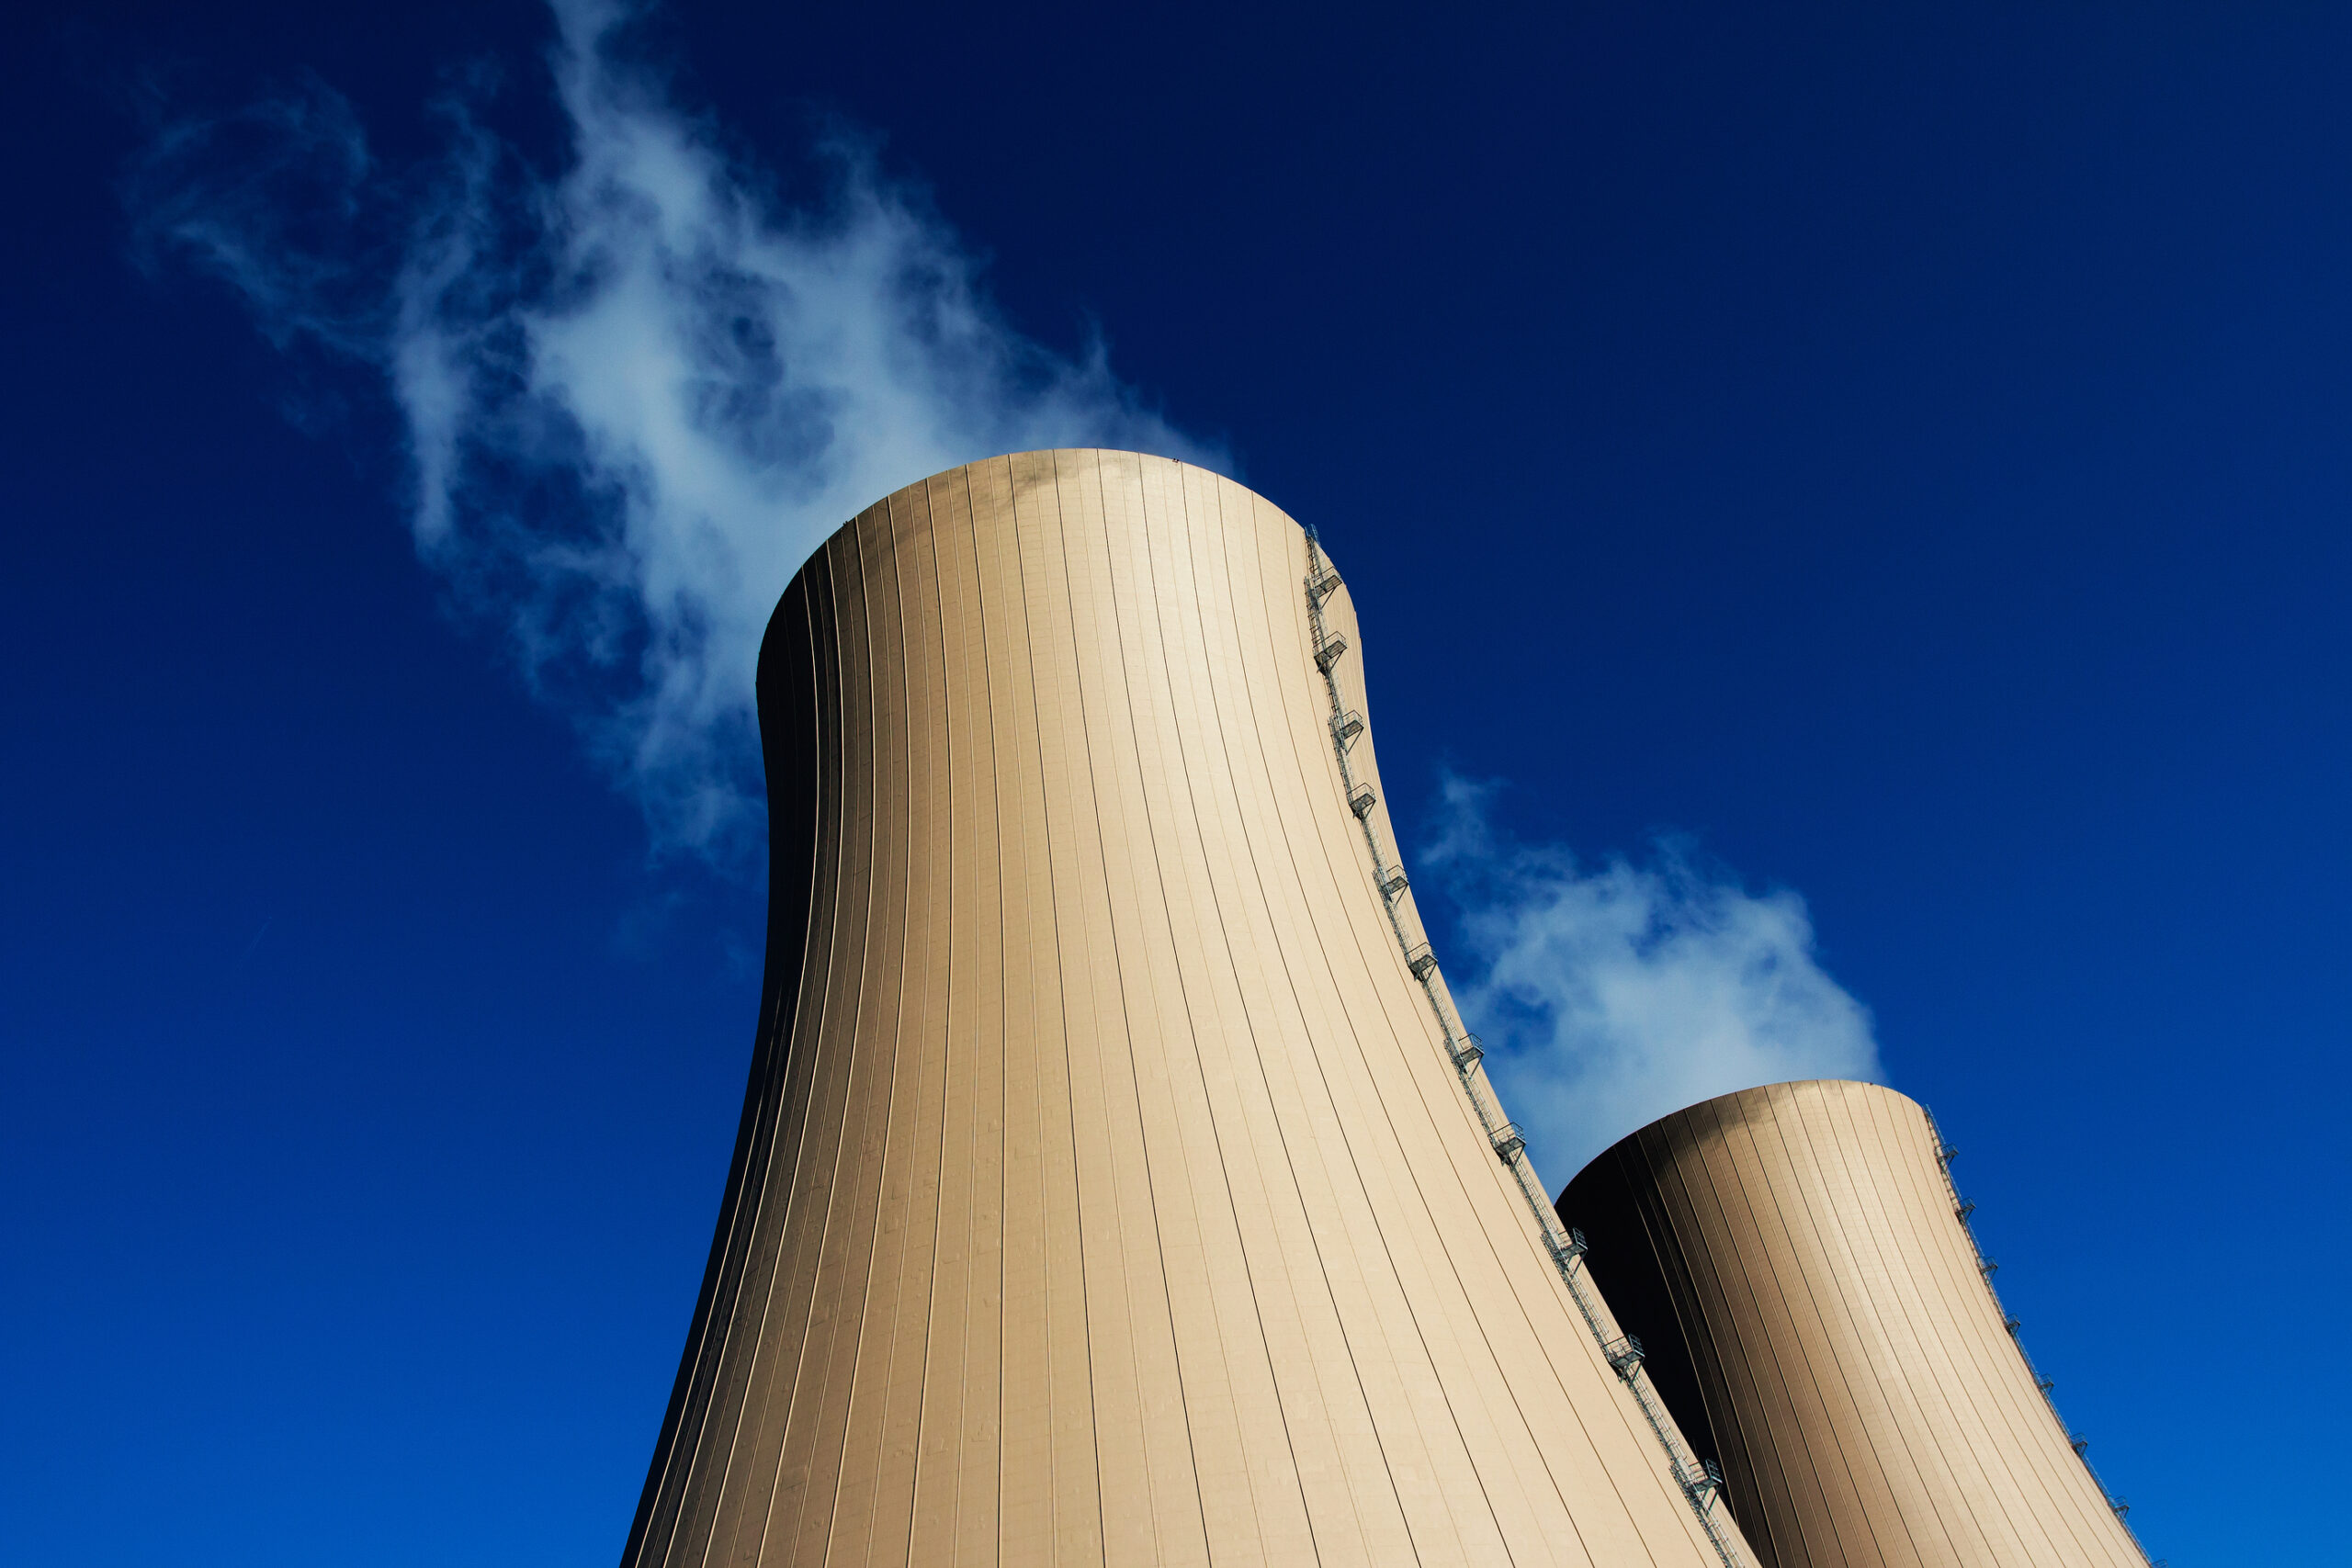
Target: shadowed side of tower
(1104, 1191)
(1814, 1309)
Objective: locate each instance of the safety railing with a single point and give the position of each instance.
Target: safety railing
(1701, 1483)
(1961, 1209)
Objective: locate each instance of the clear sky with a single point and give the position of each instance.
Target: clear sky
(1896, 456)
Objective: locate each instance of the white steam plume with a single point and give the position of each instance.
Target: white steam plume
(638, 393)
(1609, 997)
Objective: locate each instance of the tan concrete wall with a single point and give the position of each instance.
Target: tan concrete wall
(1104, 1193)
(1868, 1404)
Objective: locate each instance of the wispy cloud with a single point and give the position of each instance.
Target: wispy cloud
(637, 393)
(1608, 995)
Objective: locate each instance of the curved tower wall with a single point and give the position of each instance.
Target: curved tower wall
(1104, 1189)
(1814, 1311)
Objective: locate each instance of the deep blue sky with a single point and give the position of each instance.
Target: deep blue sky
(1904, 447)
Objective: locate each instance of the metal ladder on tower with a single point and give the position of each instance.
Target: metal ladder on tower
(1701, 1483)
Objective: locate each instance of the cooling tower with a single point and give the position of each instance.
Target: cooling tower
(1814, 1311)
(1115, 1182)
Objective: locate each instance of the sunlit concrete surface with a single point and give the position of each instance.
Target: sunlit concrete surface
(1814, 1307)
(1105, 1191)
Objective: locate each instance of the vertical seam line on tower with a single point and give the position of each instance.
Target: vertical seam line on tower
(802, 1367)
(1183, 769)
(1253, 728)
(1210, 714)
(1109, 619)
(1061, 1015)
(1826, 1223)
(1790, 1130)
(944, 769)
(1094, 793)
(1800, 1376)
(898, 1032)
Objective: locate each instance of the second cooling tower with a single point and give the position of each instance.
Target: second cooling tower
(1815, 1310)
(1113, 1183)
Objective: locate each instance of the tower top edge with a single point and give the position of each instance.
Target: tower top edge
(1740, 1098)
(1027, 469)
(1093, 453)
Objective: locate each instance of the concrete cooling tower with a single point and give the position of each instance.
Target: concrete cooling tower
(1115, 1181)
(1815, 1312)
